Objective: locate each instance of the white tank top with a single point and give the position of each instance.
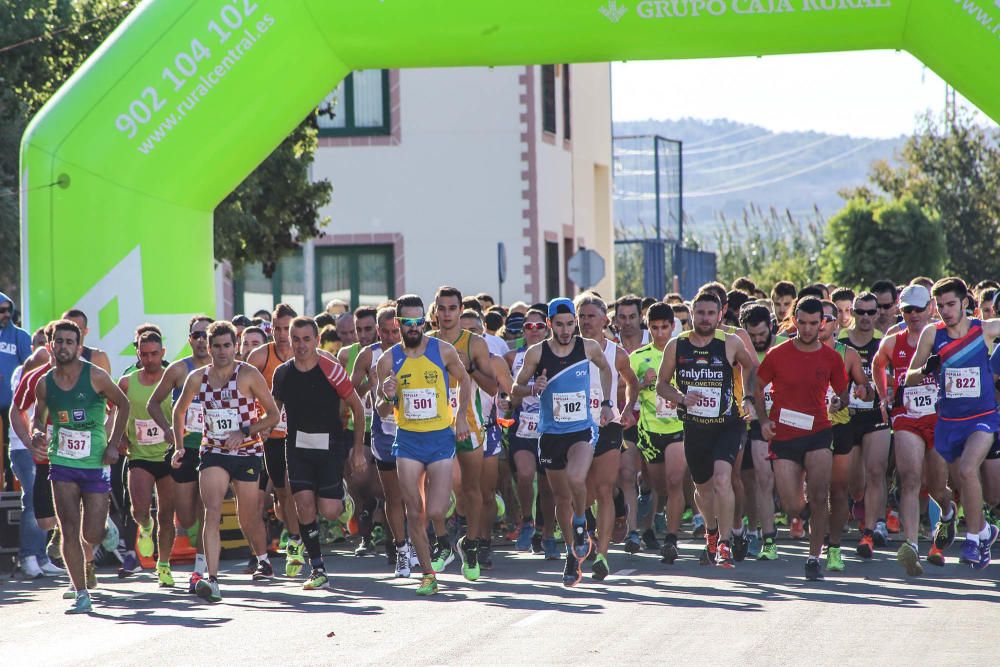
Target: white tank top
(596, 393)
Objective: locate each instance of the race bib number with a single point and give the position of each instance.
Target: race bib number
(570, 406)
(857, 403)
(768, 398)
(194, 418)
(148, 432)
(709, 403)
(527, 425)
(73, 444)
(282, 424)
(420, 404)
(795, 419)
(663, 410)
(453, 398)
(595, 398)
(961, 382)
(305, 440)
(369, 410)
(921, 400)
(220, 422)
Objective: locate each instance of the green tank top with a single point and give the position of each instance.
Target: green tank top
(843, 416)
(78, 435)
(654, 414)
(145, 437)
(353, 350)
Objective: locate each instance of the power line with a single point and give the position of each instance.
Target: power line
(31, 40)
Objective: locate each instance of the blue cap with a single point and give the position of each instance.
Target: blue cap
(561, 306)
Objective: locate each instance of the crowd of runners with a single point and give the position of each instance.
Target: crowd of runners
(442, 427)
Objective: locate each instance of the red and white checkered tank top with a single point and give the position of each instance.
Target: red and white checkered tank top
(227, 410)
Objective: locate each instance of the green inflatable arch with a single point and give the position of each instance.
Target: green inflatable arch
(122, 169)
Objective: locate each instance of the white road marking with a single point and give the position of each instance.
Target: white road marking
(534, 618)
(625, 573)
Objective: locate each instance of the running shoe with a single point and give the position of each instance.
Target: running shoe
(144, 543)
(908, 557)
(91, 572)
(470, 558)
(551, 549)
(698, 526)
(813, 572)
(741, 545)
(110, 541)
(130, 565)
(633, 544)
(524, 536)
(880, 534)
(944, 532)
(660, 523)
(710, 552)
(935, 556)
(403, 562)
(780, 519)
(797, 530)
(649, 541)
(599, 570)
(414, 559)
(81, 605)
(441, 557)
(669, 554)
(485, 554)
(283, 540)
(193, 582)
(203, 589)
(724, 555)
(164, 576)
(645, 504)
(581, 540)
(892, 522)
(69, 593)
(428, 585)
(378, 534)
(866, 546)
(769, 550)
(969, 554)
(251, 565)
(984, 548)
(264, 571)
(753, 545)
(366, 547)
(834, 560)
(315, 581)
(536, 544)
(688, 515)
(294, 560)
(50, 569)
(571, 573)
(53, 548)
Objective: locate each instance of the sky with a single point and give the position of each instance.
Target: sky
(875, 94)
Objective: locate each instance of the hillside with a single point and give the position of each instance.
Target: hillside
(728, 166)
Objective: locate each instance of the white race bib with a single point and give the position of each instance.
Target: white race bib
(220, 422)
(664, 411)
(709, 403)
(389, 425)
(921, 400)
(857, 403)
(595, 398)
(768, 397)
(569, 406)
(194, 418)
(305, 440)
(453, 398)
(795, 419)
(148, 432)
(73, 444)
(369, 410)
(527, 425)
(420, 403)
(961, 383)
(282, 424)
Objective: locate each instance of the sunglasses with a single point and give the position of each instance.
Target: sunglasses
(4, 310)
(913, 309)
(869, 313)
(412, 321)
(198, 335)
(534, 326)
(885, 306)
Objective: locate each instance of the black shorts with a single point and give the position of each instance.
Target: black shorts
(658, 443)
(755, 433)
(631, 434)
(609, 439)
(704, 444)
(41, 494)
(843, 439)
(553, 448)
(158, 469)
(796, 449)
(517, 444)
(747, 461)
(321, 472)
(274, 463)
(864, 422)
(240, 468)
(385, 466)
(188, 472)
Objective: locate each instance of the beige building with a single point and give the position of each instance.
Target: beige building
(433, 168)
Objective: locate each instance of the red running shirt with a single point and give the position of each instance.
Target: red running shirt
(799, 381)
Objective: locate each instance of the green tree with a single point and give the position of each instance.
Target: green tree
(951, 167)
(42, 42)
(769, 246)
(870, 239)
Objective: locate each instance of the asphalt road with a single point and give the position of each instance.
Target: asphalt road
(761, 613)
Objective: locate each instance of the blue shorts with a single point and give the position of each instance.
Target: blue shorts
(90, 480)
(950, 436)
(494, 440)
(427, 447)
(382, 444)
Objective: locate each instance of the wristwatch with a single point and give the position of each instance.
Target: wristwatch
(606, 404)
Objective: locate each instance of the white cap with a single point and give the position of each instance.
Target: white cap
(914, 295)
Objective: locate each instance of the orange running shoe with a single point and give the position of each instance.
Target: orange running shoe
(708, 556)
(935, 556)
(724, 556)
(892, 522)
(866, 546)
(797, 529)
